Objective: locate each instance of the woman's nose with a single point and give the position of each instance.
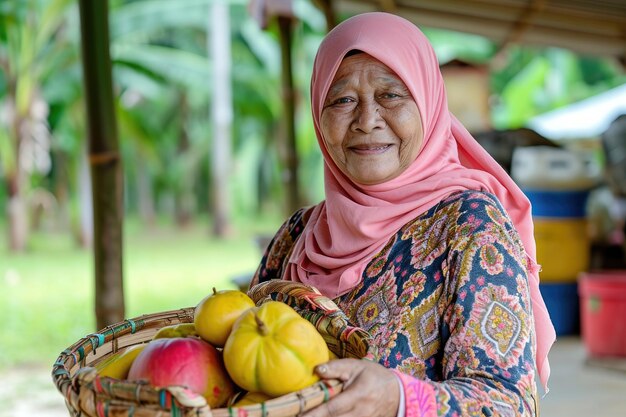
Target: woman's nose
(367, 116)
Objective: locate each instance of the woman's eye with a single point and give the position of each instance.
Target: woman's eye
(341, 103)
(342, 100)
(390, 95)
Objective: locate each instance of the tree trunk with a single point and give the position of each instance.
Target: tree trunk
(16, 216)
(291, 153)
(85, 202)
(145, 193)
(106, 168)
(222, 116)
(16, 209)
(61, 188)
(329, 13)
(184, 199)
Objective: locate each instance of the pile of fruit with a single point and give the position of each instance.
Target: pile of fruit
(233, 354)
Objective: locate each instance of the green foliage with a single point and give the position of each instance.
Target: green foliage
(519, 95)
(534, 81)
(140, 20)
(167, 63)
(7, 152)
(449, 45)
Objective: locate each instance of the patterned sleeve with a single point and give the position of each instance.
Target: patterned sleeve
(488, 329)
(276, 256)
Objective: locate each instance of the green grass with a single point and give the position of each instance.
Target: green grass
(46, 294)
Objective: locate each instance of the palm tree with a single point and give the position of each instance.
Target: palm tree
(31, 43)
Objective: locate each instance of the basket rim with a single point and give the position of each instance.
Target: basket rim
(78, 381)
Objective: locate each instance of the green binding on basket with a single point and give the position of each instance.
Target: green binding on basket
(89, 395)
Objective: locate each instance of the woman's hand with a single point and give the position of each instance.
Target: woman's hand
(369, 390)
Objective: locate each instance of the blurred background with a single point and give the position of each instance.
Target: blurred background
(214, 146)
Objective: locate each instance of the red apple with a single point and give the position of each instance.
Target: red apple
(186, 361)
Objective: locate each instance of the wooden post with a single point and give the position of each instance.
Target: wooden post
(291, 154)
(104, 159)
(329, 13)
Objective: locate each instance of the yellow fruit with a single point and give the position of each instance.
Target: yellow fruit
(215, 314)
(252, 398)
(331, 355)
(176, 330)
(273, 350)
(118, 364)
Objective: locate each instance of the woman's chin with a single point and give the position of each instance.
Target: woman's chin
(372, 177)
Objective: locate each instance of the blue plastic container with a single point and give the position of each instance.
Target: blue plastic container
(562, 204)
(563, 304)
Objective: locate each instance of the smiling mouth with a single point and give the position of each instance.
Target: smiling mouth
(370, 149)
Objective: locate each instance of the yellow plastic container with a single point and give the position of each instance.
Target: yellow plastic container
(563, 248)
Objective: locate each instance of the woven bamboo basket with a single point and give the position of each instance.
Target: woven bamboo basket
(88, 394)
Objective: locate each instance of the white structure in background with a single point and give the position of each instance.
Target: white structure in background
(578, 167)
(585, 119)
(548, 168)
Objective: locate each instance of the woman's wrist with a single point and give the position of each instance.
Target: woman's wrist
(401, 402)
(418, 396)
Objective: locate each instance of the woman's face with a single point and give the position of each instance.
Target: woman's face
(370, 123)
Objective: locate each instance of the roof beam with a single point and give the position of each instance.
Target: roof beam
(547, 23)
(522, 23)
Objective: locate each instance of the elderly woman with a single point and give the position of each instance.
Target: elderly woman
(422, 240)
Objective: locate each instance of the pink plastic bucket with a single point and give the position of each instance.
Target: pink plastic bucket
(603, 312)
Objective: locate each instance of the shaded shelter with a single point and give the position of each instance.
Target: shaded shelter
(467, 88)
(587, 27)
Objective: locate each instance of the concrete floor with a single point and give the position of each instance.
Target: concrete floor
(576, 388)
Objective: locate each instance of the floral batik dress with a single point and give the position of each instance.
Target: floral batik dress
(447, 303)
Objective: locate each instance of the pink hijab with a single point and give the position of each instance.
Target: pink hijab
(355, 221)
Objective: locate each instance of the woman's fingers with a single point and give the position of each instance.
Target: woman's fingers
(363, 382)
(340, 369)
(339, 406)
